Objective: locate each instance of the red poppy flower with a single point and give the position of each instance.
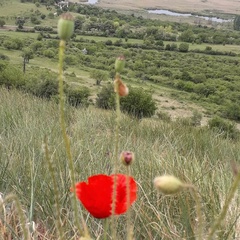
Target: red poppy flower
(96, 194)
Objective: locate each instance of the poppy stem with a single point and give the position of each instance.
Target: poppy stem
(227, 203)
(115, 166)
(106, 224)
(52, 171)
(66, 139)
(196, 197)
(129, 227)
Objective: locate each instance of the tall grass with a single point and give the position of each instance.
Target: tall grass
(194, 155)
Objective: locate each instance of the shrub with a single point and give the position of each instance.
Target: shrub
(196, 118)
(232, 111)
(47, 88)
(49, 53)
(138, 103)
(226, 128)
(106, 98)
(10, 77)
(43, 28)
(3, 57)
(183, 47)
(77, 96)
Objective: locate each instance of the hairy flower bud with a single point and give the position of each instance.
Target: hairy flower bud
(168, 184)
(127, 157)
(119, 64)
(65, 26)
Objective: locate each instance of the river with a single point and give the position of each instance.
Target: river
(92, 1)
(170, 13)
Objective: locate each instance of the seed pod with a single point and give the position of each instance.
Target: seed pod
(119, 64)
(65, 26)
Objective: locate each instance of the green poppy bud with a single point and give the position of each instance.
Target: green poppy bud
(168, 184)
(65, 26)
(119, 64)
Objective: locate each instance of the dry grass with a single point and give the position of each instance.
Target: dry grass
(224, 6)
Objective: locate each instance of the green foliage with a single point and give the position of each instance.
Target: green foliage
(99, 76)
(138, 103)
(20, 22)
(231, 111)
(43, 84)
(3, 57)
(187, 36)
(106, 97)
(50, 53)
(47, 88)
(27, 54)
(236, 23)
(15, 44)
(35, 20)
(10, 76)
(224, 127)
(183, 47)
(43, 28)
(2, 22)
(77, 96)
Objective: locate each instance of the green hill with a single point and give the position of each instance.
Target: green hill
(194, 155)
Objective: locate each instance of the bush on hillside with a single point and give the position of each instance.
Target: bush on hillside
(138, 103)
(231, 111)
(47, 88)
(106, 98)
(224, 127)
(10, 77)
(78, 96)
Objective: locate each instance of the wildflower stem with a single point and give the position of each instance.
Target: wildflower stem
(115, 167)
(67, 141)
(32, 196)
(129, 227)
(55, 189)
(225, 207)
(22, 218)
(198, 211)
(106, 224)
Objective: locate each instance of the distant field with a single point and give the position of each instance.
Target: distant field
(227, 47)
(222, 6)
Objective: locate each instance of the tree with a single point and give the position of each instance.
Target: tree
(187, 36)
(236, 23)
(2, 22)
(99, 76)
(138, 103)
(20, 22)
(27, 55)
(183, 47)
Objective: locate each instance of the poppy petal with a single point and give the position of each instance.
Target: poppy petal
(96, 194)
(121, 199)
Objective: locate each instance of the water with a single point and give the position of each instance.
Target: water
(170, 13)
(92, 1)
